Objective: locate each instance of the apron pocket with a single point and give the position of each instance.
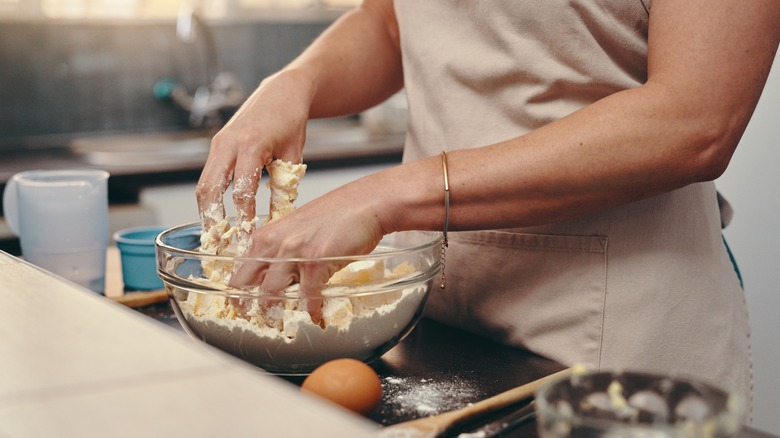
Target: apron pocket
(543, 292)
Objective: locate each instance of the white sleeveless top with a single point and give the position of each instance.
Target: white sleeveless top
(645, 286)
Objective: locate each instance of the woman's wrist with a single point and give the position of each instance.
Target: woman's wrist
(411, 196)
(296, 82)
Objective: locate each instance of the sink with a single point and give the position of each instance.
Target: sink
(177, 149)
(326, 139)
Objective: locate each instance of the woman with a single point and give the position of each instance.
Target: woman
(582, 139)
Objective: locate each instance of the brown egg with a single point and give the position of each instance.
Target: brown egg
(347, 382)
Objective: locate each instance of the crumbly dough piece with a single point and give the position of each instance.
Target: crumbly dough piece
(218, 236)
(283, 181)
(216, 240)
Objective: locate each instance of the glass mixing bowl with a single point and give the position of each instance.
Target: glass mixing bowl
(366, 308)
(636, 404)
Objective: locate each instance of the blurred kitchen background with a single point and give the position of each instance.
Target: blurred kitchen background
(137, 87)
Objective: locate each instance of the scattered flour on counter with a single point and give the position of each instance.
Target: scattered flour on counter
(417, 398)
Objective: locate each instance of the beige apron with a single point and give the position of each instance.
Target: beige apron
(646, 286)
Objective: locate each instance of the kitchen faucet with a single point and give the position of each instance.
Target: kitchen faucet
(223, 91)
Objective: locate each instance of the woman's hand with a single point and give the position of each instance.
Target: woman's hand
(342, 222)
(339, 223)
(271, 124)
(352, 66)
(350, 220)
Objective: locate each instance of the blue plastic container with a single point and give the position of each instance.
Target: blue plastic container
(136, 246)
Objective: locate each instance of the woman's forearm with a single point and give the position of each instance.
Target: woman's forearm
(681, 127)
(614, 152)
(355, 64)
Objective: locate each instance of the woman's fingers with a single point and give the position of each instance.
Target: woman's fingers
(248, 275)
(313, 277)
(273, 277)
(209, 197)
(245, 184)
(211, 187)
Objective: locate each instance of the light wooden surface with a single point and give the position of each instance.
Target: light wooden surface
(114, 285)
(76, 364)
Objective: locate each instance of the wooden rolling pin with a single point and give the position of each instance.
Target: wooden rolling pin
(437, 425)
(140, 299)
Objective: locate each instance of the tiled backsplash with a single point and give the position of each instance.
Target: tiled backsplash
(60, 79)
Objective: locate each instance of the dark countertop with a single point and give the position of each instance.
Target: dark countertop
(438, 368)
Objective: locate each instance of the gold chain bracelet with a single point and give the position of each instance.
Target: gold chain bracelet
(444, 242)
